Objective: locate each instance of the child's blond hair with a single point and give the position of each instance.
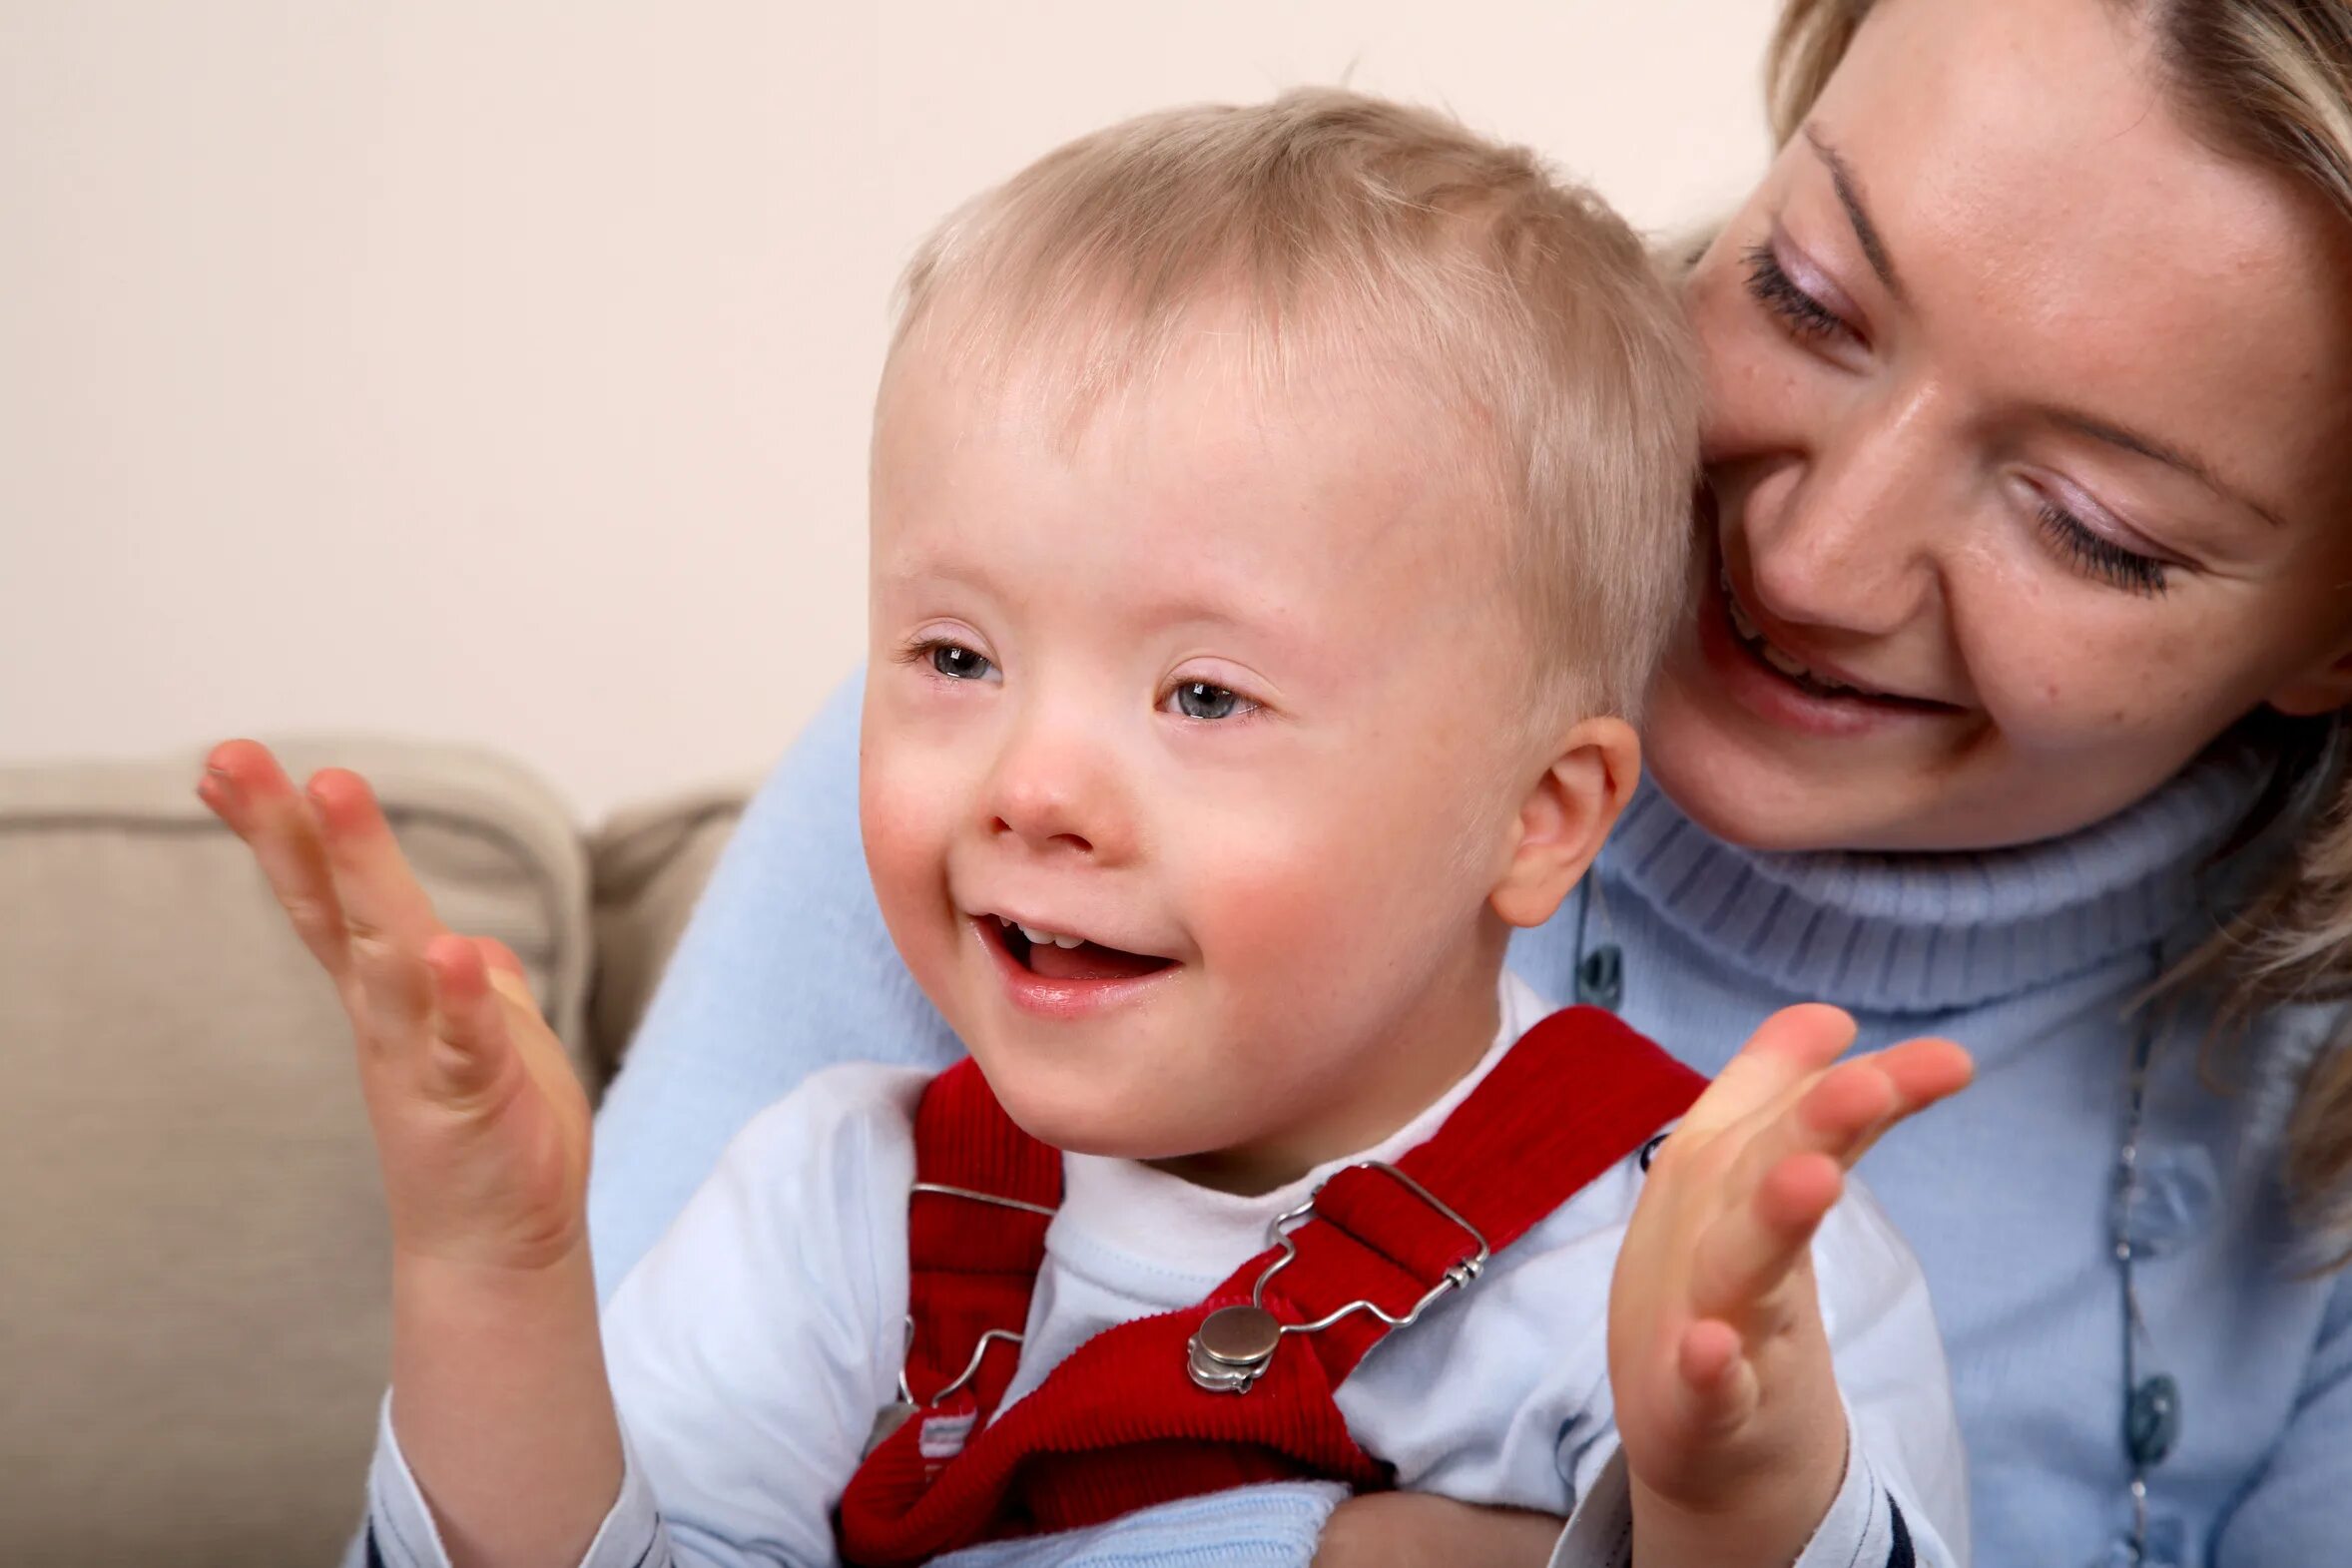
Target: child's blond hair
(1345, 223)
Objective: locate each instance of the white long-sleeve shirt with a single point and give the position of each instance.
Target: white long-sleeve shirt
(751, 1349)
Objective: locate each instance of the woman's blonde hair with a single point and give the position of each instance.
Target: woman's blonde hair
(2271, 81)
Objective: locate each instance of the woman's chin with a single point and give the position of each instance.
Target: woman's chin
(1744, 789)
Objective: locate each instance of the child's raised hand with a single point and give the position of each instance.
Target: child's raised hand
(1726, 1401)
(480, 1124)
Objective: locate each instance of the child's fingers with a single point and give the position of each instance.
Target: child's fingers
(469, 1023)
(500, 957)
(1831, 1115)
(1850, 1106)
(1786, 1048)
(1920, 1072)
(382, 900)
(1747, 1251)
(387, 918)
(245, 789)
(1717, 1387)
(507, 975)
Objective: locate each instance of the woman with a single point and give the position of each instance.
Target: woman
(2018, 644)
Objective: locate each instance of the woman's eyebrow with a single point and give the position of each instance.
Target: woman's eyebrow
(2170, 456)
(1874, 247)
(1841, 178)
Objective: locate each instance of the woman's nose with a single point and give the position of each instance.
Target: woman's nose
(1846, 538)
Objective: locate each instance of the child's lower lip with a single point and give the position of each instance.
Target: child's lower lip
(1043, 997)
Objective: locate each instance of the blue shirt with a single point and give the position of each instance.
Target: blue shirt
(2009, 1194)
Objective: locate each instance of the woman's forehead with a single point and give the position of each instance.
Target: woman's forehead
(2064, 233)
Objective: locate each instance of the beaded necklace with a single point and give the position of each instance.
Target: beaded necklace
(2152, 1405)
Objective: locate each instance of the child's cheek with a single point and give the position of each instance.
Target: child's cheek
(905, 820)
(1285, 916)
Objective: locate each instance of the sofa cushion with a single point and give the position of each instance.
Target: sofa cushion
(649, 867)
(192, 1303)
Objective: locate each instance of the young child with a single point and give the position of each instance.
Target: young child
(1277, 513)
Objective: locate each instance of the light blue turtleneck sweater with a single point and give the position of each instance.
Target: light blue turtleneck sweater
(2009, 1194)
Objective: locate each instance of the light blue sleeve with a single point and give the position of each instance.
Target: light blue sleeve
(785, 968)
(2300, 1510)
(1275, 1526)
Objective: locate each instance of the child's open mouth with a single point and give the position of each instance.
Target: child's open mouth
(1052, 955)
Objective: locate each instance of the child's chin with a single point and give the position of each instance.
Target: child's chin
(1088, 1127)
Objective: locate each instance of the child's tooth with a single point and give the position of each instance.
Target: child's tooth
(1069, 941)
(1035, 935)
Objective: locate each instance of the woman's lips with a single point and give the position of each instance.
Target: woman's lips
(1743, 664)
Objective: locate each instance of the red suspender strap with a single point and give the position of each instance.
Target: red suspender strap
(984, 1192)
(1121, 1425)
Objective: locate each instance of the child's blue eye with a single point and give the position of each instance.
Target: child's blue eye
(1204, 700)
(959, 663)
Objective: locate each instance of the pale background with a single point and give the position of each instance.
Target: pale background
(499, 371)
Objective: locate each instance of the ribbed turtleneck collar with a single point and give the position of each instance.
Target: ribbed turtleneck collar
(1928, 932)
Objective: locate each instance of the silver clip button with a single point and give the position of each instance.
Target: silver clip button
(1232, 1347)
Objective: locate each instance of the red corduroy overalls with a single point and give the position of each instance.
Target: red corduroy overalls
(1122, 1424)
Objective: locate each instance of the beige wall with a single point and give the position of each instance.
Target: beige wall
(499, 370)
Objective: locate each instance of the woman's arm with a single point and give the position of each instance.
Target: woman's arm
(785, 968)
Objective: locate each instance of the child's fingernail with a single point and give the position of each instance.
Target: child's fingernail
(218, 785)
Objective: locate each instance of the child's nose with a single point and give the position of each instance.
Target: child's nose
(1056, 794)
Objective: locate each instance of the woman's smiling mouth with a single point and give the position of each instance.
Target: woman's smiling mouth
(1788, 691)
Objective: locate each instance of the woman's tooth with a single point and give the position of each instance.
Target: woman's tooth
(1782, 662)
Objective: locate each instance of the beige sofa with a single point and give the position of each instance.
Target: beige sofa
(191, 1251)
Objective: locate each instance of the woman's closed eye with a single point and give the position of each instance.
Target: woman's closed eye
(1804, 315)
(2095, 553)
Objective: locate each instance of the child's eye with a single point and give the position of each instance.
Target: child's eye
(959, 663)
(1773, 288)
(1205, 700)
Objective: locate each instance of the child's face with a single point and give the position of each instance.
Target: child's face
(1227, 686)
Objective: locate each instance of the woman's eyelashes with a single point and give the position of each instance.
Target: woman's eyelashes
(2095, 553)
(1804, 315)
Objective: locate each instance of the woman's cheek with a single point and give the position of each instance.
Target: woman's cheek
(2060, 683)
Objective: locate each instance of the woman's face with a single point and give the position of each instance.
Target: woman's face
(2031, 447)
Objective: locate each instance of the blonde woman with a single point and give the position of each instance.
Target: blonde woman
(2011, 692)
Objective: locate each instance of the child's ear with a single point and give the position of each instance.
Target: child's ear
(1565, 816)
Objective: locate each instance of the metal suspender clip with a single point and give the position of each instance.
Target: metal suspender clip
(896, 1414)
(1235, 1345)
